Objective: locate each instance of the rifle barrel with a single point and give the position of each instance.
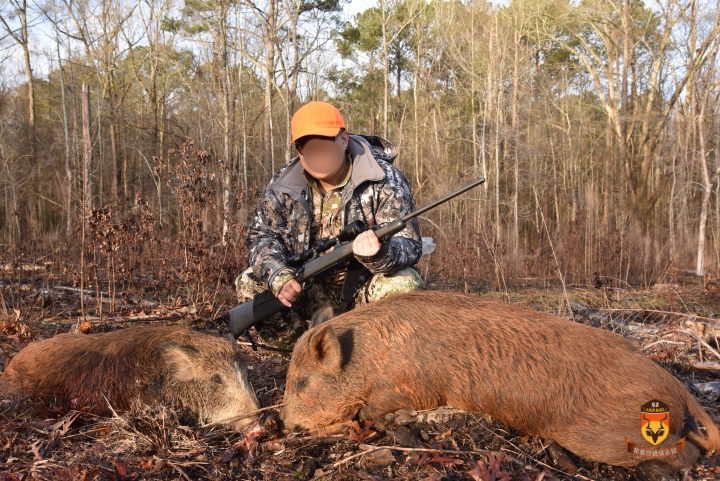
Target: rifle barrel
(444, 199)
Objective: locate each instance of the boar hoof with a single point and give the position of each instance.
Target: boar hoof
(406, 416)
(402, 416)
(272, 424)
(654, 470)
(561, 459)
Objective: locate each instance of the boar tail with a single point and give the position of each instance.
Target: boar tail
(711, 440)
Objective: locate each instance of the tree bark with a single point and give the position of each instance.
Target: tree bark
(269, 160)
(87, 151)
(68, 156)
(386, 68)
(707, 191)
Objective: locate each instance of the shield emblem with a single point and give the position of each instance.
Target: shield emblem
(655, 421)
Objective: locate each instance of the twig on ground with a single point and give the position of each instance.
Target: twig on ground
(370, 448)
(700, 340)
(177, 468)
(663, 341)
(656, 311)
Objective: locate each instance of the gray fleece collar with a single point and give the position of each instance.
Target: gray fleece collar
(365, 168)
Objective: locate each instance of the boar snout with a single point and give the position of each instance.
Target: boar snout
(223, 391)
(317, 391)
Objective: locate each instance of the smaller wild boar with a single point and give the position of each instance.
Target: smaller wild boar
(195, 372)
(540, 374)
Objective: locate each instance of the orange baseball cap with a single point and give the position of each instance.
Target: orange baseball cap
(316, 118)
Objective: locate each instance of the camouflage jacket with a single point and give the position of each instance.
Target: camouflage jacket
(377, 193)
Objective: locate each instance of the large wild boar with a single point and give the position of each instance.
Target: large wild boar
(200, 373)
(540, 374)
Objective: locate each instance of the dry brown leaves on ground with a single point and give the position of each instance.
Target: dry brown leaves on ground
(39, 442)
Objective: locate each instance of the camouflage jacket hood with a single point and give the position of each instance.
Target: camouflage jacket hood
(376, 193)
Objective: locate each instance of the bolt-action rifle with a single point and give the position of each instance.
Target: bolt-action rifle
(310, 263)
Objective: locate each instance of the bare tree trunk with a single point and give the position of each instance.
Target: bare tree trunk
(125, 166)
(386, 68)
(293, 85)
(100, 161)
(243, 117)
(702, 93)
(416, 119)
(116, 170)
(515, 133)
(477, 149)
(13, 221)
(496, 149)
(707, 191)
(717, 202)
(87, 151)
(31, 97)
(269, 81)
(671, 210)
(68, 157)
(494, 113)
(607, 182)
(87, 184)
(487, 113)
(227, 126)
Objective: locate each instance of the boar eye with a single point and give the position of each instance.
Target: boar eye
(217, 379)
(301, 383)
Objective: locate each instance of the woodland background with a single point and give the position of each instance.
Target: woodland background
(135, 135)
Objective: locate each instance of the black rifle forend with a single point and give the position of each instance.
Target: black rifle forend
(310, 264)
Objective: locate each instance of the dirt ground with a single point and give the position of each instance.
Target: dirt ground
(150, 443)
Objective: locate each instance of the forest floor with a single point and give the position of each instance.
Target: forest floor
(676, 325)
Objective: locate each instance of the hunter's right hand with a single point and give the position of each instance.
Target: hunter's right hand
(290, 292)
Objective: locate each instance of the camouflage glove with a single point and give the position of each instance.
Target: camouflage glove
(280, 279)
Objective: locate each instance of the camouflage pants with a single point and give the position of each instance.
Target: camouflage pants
(316, 294)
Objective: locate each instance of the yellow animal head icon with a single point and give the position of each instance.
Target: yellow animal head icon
(655, 422)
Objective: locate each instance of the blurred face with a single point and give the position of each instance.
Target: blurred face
(323, 157)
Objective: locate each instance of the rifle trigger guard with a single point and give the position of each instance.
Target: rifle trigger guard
(299, 272)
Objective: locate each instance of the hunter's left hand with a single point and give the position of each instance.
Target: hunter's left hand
(366, 244)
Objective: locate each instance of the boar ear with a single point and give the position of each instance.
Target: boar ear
(325, 348)
(322, 315)
(180, 362)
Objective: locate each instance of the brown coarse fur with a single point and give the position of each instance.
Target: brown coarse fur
(539, 374)
(172, 365)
